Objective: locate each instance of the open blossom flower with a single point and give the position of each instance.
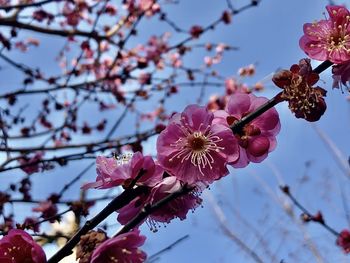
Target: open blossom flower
(304, 101)
(178, 207)
(122, 249)
(175, 208)
(19, 247)
(194, 149)
(111, 172)
(328, 39)
(341, 75)
(257, 138)
(343, 240)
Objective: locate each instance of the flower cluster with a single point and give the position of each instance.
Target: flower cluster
(194, 149)
(143, 172)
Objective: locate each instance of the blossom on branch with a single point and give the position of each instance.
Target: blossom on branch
(110, 173)
(304, 101)
(19, 247)
(176, 208)
(257, 138)
(328, 39)
(341, 75)
(194, 149)
(31, 164)
(48, 210)
(343, 240)
(87, 245)
(122, 249)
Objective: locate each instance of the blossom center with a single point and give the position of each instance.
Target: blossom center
(197, 142)
(299, 97)
(335, 38)
(337, 42)
(198, 147)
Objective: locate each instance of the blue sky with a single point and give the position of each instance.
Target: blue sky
(267, 36)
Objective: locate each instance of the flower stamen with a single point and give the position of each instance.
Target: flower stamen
(198, 147)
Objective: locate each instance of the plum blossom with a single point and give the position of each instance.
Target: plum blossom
(196, 31)
(150, 7)
(233, 86)
(194, 149)
(343, 240)
(177, 208)
(111, 172)
(257, 138)
(341, 75)
(304, 101)
(88, 243)
(155, 48)
(328, 39)
(19, 247)
(48, 210)
(216, 102)
(226, 17)
(122, 249)
(31, 164)
(247, 71)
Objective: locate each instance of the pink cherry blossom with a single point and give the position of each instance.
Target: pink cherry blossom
(19, 247)
(194, 149)
(328, 39)
(122, 249)
(257, 138)
(112, 173)
(178, 207)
